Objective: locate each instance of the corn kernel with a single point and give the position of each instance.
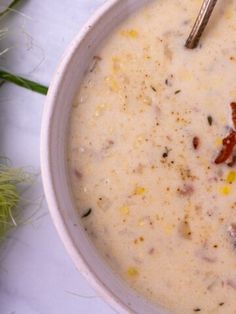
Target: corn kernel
(229, 13)
(146, 57)
(186, 75)
(141, 222)
(139, 190)
(233, 92)
(116, 67)
(218, 141)
(130, 33)
(185, 230)
(138, 141)
(225, 190)
(215, 81)
(132, 272)
(168, 229)
(112, 83)
(231, 177)
(99, 109)
(124, 210)
(147, 100)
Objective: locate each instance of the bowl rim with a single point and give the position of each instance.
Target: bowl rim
(50, 194)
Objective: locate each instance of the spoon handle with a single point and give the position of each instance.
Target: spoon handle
(200, 23)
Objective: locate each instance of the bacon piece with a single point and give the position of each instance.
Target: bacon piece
(228, 142)
(233, 107)
(232, 162)
(195, 142)
(228, 145)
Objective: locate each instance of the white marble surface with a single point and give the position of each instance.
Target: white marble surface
(36, 274)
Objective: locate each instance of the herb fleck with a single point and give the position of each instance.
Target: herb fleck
(210, 120)
(87, 213)
(166, 153)
(221, 304)
(96, 59)
(177, 91)
(197, 309)
(153, 88)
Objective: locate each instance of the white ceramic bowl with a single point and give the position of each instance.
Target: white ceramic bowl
(62, 91)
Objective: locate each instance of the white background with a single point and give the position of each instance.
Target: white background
(36, 274)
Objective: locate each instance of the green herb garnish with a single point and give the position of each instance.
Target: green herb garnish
(210, 120)
(20, 81)
(10, 6)
(177, 91)
(153, 88)
(10, 179)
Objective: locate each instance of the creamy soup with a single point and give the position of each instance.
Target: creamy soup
(151, 156)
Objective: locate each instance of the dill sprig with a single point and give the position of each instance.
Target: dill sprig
(10, 6)
(10, 181)
(10, 77)
(23, 82)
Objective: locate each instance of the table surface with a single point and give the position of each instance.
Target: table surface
(36, 274)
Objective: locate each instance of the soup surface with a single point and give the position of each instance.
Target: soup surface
(153, 181)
